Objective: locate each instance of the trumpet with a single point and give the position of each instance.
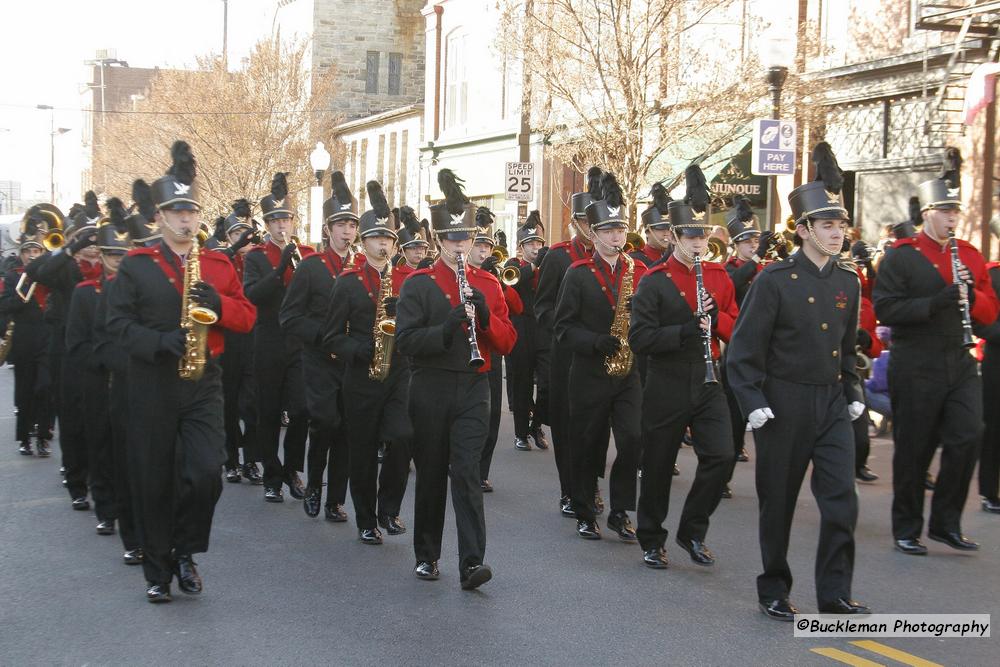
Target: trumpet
(777, 242)
(508, 275)
(296, 255)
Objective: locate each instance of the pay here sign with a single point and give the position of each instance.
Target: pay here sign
(773, 148)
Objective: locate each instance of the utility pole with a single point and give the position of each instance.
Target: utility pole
(524, 136)
(225, 33)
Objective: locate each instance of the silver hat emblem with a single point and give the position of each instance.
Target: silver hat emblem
(344, 207)
(381, 221)
(953, 193)
(613, 211)
(457, 218)
(181, 189)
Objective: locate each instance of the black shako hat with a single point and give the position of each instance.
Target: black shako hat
(175, 190)
(454, 218)
(657, 216)
(276, 204)
(820, 198)
(379, 220)
(341, 205)
(141, 225)
(609, 210)
(691, 216)
(112, 232)
(532, 229)
(741, 221)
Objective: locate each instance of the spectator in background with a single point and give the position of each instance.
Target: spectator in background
(877, 386)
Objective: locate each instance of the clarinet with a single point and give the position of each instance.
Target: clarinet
(475, 358)
(963, 305)
(706, 336)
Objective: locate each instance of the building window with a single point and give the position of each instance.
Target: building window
(395, 73)
(456, 83)
(371, 80)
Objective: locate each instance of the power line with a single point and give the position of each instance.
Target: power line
(181, 113)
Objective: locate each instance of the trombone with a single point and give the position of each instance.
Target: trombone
(508, 275)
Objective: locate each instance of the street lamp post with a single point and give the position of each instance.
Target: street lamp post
(319, 160)
(776, 53)
(53, 133)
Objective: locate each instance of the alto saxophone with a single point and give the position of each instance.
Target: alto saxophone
(384, 332)
(195, 320)
(620, 363)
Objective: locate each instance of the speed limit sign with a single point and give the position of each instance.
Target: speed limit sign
(520, 181)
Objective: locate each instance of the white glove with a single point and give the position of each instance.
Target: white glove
(758, 417)
(855, 409)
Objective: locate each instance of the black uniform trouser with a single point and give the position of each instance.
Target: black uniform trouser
(100, 456)
(329, 453)
(32, 402)
(280, 381)
(989, 461)
(600, 400)
(935, 399)
(178, 447)
(811, 425)
(528, 367)
(496, 404)
(862, 441)
(379, 413)
(702, 407)
(118, 405)
(73, 429)
(737, 422)
(57, 350)
(450, 411)
(240, 402)
(561, 359)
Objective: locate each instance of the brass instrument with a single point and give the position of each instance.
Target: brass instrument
(633, 243)
(508, 275)
(384, 333)
(475, 357)
(620, 363)
(296, 255)
(53, 237)
(706, 336)
(717, 250)
(195, 320)
(775, 243)
(956, 264)
(8, 337)
(863, 366)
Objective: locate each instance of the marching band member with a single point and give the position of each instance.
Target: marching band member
(791, 364)
(591, 300)
(656, 224)
(303, 316)
(277, 358)
(413, 243)
(934, 385)
(176, 435)
(989, 462)
(450, 318)
(680, 304)
(376, 379)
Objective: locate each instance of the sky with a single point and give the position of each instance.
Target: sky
(44, 44)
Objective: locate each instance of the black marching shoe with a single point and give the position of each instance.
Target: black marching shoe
(912, 547)
(188, 579)
(622, 526)
(233, 475)
(779, 610)
(370, 536)
(426, 570)
(312, 501)
(843, 606)
(106, 528)
(81, 504)
(25, 448)
(699, 552)
(598, 503)
(43, 449)
(392, 524)
(252, 474)
(991, 505)
(955, 540)
(157, 592)
(538, 435)
(335, 513)
(475, 576)
(727, 492)
(134, 557)
(655, 558)
(588, 530)
(566, 507)
(296, 489)
(272, 494)
(743, 457)
(865, 474)
(521, 443)
(486, 485)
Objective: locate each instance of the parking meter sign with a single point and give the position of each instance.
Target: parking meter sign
(773, 148)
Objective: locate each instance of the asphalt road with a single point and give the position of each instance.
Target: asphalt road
(281, 588)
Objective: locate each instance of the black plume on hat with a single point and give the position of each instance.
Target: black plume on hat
(914, 209)
(696, 195)
(500, 236)
(454, 191)
(409, 219)
(594, 175)
(116, 213)
(279, 186)
(484, 217)
(611, 190)
(74, 211)
(534, 219)
(376, 197)
(827, 169)
(183, 167)
(90, 205)
(142, 195)
(951, 169)
(744, 211)
(220, 229)
(241, 208)
(661, 198)
(339, 186)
